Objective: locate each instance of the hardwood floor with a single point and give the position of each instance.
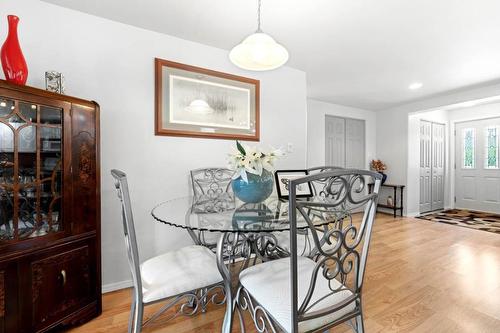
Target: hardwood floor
(421, 277)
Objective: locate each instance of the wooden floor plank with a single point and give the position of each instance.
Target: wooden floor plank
(421, 277)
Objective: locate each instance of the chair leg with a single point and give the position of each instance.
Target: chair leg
(136, 312)
(131, 316)
(242, 321)
(204, 299)
(360, 326)
(139, 309)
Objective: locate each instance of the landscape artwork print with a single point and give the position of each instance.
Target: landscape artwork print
(197, 102)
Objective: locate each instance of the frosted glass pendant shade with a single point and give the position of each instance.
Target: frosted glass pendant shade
(258, 52)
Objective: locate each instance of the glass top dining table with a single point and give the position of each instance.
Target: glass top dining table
(228, 214)
(245, 225)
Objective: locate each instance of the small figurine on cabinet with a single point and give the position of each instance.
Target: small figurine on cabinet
(54, 81)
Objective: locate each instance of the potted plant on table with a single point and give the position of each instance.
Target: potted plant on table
(253, 179)
(380, 167)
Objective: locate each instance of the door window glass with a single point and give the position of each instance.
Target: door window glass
(491, 160)
(469, 143)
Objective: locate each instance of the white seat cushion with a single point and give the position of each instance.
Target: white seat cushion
(189, 268)
(269, 284)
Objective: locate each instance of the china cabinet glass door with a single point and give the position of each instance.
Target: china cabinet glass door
(30, 169)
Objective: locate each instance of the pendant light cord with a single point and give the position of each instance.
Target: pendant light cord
(258, 17)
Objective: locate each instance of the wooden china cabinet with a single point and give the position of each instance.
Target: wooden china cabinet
(50, 266)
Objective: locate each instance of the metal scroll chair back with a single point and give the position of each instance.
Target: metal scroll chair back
(318, 185)
(211, 183)
(212, 192)
(338, 270)
(129, 230)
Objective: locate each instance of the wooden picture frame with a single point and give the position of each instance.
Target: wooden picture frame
(282, 176)
(198, 102)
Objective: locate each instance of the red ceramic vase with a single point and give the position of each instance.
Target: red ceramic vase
(13, 63)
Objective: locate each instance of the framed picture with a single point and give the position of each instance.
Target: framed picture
(198, 102)
(283, 178)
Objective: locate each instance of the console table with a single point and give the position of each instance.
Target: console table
(395, 208)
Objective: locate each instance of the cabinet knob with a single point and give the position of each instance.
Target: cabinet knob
(63, 277)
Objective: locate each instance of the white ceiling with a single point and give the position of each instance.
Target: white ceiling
(361, 53)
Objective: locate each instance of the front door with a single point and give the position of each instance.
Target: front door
(477, 173)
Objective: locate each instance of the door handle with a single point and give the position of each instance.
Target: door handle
(63, 276)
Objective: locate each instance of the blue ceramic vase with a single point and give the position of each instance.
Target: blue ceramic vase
(257, 189)
(384, 178)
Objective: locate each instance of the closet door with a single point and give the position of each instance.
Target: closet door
(335, 141)
(438, 139)
(425, 166)
(355, 143)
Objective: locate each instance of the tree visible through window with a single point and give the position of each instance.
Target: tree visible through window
(469, 137)
(492, 148)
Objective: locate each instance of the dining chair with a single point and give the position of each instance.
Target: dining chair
(185, 275)
(303, 294)
(212, 192)
(318, 185)
(305, 242)
(212, 183)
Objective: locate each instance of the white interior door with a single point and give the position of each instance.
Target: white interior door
(477, 173)
(344, 142)
(432, 162)
(438, 162)
(354, 143)
(335, 141)
(425, 166)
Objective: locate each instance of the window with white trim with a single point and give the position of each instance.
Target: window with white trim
(469, 148)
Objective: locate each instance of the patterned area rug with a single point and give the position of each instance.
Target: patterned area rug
(466, 218)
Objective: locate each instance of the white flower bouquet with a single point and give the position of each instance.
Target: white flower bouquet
(252, 160)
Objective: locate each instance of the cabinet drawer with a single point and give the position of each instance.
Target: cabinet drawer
(60, 283)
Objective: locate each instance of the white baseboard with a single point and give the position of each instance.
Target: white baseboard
(412, 214)
(415, 214)
(106, 288)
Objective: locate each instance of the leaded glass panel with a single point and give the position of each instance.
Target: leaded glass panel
(491, 159)
(30, 169)
(469, 143)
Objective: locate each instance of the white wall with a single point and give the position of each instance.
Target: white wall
(316, 112)
(475, 112)
(112, 63)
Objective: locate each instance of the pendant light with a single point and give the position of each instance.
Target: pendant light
(259, 51)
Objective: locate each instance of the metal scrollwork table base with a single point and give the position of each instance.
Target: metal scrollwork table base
(241, 233)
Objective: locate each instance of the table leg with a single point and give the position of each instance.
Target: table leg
(401, 193)
(395, 202)
(227, 325)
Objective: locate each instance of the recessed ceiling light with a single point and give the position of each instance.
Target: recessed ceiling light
(415, 85)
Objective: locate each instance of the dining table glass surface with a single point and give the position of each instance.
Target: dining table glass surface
(229, 214)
